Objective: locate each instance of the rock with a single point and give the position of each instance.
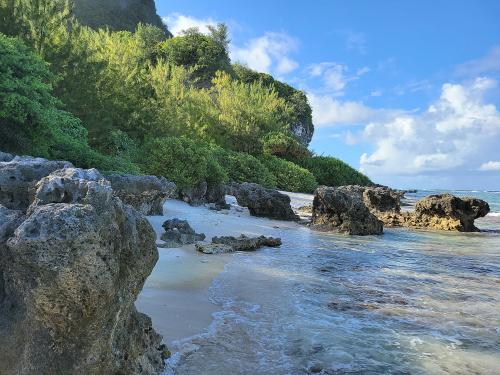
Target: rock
(179, 233)
(227, 244)
(70, 271)
(261, 201)
(19, 176)
(216, 196)
(382, 199)
(447, 212)
(205, 193)
(213, 248)
(147, 194)
(4, 156)
(194, 195)
(342, 209)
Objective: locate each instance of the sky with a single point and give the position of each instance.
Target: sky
(408, 92)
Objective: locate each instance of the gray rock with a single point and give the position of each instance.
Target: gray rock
(342, 209)
(179, 233)
(244, 243)
(69, 275)
(194, 195)
(213, 248)
(261, 201)
(4, 156)
(19, 176)
(147, 194)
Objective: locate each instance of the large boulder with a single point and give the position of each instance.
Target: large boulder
(19, 175)
(447, 212)
(261, 201)
(71, 268)
(203, 193)
(147, 194)
(342, 209)
(179, 233)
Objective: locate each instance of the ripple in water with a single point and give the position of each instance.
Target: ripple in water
(402, 303)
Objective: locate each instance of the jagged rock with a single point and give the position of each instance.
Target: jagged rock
(342, 209)
(69, 275)
(19, 176)
(194, 195)
(216, 196)
(447, 212)
(179, 233)
(261, 201)
(382, 199)
(147, 194)
(228, 244)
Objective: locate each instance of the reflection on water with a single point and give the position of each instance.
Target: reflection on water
(403, 303)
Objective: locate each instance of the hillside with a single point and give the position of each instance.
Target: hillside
(117, 14)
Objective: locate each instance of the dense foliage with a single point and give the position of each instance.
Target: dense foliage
(290, 176)
(242, 167)
(143, 101)
(333, 172)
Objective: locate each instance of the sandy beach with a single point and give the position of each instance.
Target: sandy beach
(176, 294)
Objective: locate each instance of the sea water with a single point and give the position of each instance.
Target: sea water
(406, 302)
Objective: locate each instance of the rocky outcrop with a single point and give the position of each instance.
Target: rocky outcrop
(179, 233)
(71, 267)
(447, 212)
(19, 176)
(261, 201)
(228, 244)
(342, 209)
(205, 194)
(4, 156)
(147, 194)
(117, 14)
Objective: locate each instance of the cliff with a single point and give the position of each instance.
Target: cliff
(117, 14)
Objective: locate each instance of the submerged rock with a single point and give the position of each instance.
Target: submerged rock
(179, 233)
(71, 268)
(147, 194)
(342, 209)
(447, 212)
(262, 201)
(227, 244)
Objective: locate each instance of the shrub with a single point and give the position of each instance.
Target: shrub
(241, 167)
(331, 171)
(183, 161)
(290, 176)
(284, 146)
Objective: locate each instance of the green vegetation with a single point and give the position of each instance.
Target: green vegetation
(333, 172)
(289, 176)
(142, 101)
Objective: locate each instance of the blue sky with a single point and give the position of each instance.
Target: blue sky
(408, 92)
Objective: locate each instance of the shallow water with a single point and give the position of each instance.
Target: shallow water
(406, 302)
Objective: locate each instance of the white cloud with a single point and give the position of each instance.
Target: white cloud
(454, 135)
(335, 76)
(268, 53)
(329, 111)
(487, 64)
(490, 166)
(177, 23)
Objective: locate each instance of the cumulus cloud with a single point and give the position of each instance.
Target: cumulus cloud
(490, 166)
(487, 64)
(269, 53)
(177, 23)
(328, 111)
(456, 134)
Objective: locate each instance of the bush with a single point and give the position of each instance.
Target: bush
(331, 171)
(284, 146)
(183, 161)
(290, 176)
(241, 167)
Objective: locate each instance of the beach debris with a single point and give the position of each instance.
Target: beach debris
(228, 244)
(179, 233)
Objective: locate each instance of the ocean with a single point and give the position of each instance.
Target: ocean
(406, 302)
